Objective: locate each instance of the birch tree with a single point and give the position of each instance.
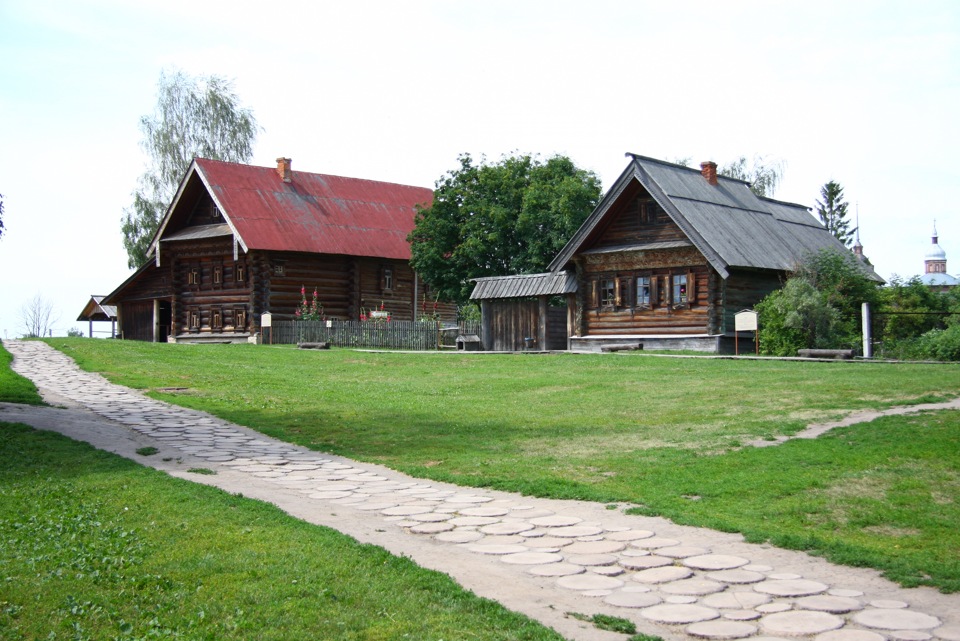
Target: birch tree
(194, 117)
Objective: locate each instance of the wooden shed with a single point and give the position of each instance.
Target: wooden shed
(517, 312)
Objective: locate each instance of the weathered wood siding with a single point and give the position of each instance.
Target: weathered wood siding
(743, 290)
(136, 320)
(508, 322)
(210, 292)
(213, 291)
(136, 312)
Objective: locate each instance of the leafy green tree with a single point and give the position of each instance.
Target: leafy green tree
(833, 213)
(819, 305)
(511, 217)
(764, 176)
(195, 117)
(910, 308)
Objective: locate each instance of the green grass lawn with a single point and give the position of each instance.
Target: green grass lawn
(93, 546)
(13, 387)
(661, 434)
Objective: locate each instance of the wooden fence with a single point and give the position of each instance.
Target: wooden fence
(413, 335)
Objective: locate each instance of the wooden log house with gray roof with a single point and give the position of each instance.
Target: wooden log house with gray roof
(665, 260)
(240, 240)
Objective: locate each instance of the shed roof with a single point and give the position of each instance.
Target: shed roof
(727, 223)
(524, 286)
(94, 310)
(314, 213)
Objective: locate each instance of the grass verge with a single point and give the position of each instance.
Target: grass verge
(93, 546)
(13, 387)
(661, 434)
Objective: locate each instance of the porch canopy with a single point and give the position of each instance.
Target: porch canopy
(95, 310)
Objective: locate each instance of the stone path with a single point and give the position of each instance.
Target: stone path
(541, 557)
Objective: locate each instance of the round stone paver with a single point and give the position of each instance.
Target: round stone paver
(715, 562)
(654, 542)
(736, 600)
(407, 510)
(741, 577)
(555, 521)
(693, 587)
(791, 587)
(556, 569)
(849, 635)
(480, 548)
(484, 511)
(663, 574)
(895, 620)
(948, 632)
(645, 562)
(546, 542)
(741, 615)
(431, 528)
(590, 559)
(532, 558)
(800, 622)
(632, 599)
(909, 635)
(576, 531)
(628, 535)
(682, 551)
(472, 521)
(589, 581)
(459, 536)
(826, 603)
(721, 630)
(679, 613)
(888, 604)
(506, 528)
(594, 547)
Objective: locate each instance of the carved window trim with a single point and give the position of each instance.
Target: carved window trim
(386, 279)
(240, 319)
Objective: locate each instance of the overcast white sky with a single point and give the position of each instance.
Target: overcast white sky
(865, 93)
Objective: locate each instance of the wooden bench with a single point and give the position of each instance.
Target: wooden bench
(313, 345)
(837, 354)
(621, 347)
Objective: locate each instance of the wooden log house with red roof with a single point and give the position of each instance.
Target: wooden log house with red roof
(238, 241)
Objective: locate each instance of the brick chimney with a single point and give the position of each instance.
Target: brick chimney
(709, 171)
(283, 168)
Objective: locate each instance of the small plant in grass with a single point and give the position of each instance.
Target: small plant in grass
(645, 637)
(147, 451)
(201, 470)
(606, 622)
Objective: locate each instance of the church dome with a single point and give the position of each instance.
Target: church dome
(935, 253)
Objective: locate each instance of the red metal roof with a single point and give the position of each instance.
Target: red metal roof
(314, 212)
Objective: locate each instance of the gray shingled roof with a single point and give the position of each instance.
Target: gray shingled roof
(729, 224)
(523, 286)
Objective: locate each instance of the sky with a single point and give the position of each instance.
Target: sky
(863, 93)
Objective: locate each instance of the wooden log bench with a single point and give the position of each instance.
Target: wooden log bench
(837, 354)
(313, 345)
(621, 347)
